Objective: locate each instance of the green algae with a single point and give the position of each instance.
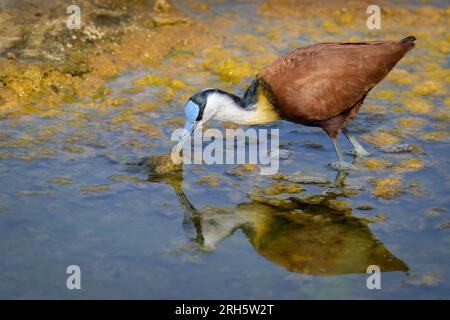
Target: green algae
(60, 181)
(93, 189)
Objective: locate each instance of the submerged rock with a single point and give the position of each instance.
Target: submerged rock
(160, 166)
(305, 178)
(398, 148)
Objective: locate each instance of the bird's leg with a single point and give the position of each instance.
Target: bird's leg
(340, 164)
(337, 148)
(359, 150)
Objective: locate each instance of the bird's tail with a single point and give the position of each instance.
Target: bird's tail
(409, 42)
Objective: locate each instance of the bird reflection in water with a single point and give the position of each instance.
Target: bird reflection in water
(302, 236)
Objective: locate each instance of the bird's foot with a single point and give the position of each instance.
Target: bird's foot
(361, 152)
(358, 153)
(342, 166)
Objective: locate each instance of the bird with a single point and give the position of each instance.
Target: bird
(320, 85)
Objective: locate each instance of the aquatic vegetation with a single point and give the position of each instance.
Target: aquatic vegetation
(60, 181)
(123, 177)
(229, 70)
(434, 212)
(373, 108)
(79, 104)
(409, 122)
(242, 169)
(435, 136)
(426, 88)
(376, 164)
(381, 216)
(162, 165)
(426, 280)
(365, 207)
(92, 189)
(445, 225)
(386, 188)
(211, 180)
(73, 149)
(277, 188)
(155, 80)
(381, 138)
(401, 77)
(385, 94)
(409, 165)
(418, 106)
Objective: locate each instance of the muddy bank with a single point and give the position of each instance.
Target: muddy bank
(43, 63)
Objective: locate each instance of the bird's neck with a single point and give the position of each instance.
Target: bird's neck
(256, 107)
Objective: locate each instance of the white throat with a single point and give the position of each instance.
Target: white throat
(223, 108)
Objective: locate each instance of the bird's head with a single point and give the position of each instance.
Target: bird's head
(206, 105)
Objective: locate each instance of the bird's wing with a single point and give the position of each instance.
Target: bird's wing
(321, 81)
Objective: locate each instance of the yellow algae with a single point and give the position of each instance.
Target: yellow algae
(376, 164)
(143, 107)
(385, 94)
(242, 169)
(410, 122)
(117, 101)
(143, 127)
(152, 80)
(380, 138)
(44, 153)
(20, 143)
(229, 70)
(435, 136)
(277, 188)
(409, 165)
(418, 106)
(446, 101)
(211, 180)
(60, 180)
(386, 188)
(73, 149)
(373, 108)
(339, 205)
(330, 27)
(381, 216)
(100, 188)
(25, 157)
(401, 77)
(397, 109)
(168, 95)
(345, 18)
(6, 155)
(199, 7)
(177, 84)
(442, 114)
(426, 88)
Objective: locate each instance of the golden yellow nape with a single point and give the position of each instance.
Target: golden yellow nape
(265, 109)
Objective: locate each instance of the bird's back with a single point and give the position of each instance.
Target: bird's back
(319, 82)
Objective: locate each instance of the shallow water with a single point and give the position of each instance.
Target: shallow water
(68, 195)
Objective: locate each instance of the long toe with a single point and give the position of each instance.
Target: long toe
(361, 153)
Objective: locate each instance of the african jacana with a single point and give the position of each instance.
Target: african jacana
(321, 85)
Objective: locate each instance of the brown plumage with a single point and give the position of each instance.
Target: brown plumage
(321, 85)
(324, 84)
